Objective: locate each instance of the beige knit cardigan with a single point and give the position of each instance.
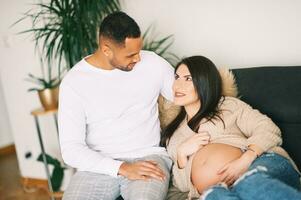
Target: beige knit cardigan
(243, 126)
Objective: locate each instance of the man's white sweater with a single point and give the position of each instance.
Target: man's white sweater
(107, 115)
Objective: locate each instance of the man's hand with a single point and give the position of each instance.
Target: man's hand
(141, 170)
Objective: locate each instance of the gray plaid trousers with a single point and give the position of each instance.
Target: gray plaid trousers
(94, 186)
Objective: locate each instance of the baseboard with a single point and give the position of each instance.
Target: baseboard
(10, 149)
(34, 183)
(30, 183)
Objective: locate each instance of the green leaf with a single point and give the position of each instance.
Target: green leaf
(57, 175)
(49, 160)
(65, 29)
(57, 178)
(33, 89)
(159, 46)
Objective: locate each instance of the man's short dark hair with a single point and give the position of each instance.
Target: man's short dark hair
(118, 26)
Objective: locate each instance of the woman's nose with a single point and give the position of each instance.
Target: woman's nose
(176, 84)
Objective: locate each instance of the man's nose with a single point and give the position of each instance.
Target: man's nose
(136, 58)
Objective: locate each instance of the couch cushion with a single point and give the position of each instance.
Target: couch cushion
(275, 91)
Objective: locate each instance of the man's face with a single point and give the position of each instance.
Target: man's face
(124, 57)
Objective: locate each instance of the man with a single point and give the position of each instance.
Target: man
(108, 118)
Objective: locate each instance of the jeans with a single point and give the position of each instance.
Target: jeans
(270, 177)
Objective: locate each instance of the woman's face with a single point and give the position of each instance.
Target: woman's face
(183, 88)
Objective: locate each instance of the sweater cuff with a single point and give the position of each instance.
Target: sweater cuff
(265, 143)
(115, 168)
(109, 166)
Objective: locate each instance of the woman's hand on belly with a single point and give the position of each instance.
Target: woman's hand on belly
(190, 146)
(233, 170)
(208, 161)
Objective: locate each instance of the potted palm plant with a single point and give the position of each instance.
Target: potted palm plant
(66, 31)
(48, 91)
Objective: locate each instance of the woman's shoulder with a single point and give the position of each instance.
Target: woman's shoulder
(232, 103)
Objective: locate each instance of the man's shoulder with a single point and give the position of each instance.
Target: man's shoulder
(150, 58)
(147, 53)
(74, 73)
(150, 55)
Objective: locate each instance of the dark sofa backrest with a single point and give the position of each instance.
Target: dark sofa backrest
(276, 92)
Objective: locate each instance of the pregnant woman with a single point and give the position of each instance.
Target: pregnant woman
(221, 147)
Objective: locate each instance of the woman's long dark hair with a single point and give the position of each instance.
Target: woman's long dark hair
(208, 85)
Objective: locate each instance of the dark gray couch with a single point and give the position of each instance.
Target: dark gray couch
(276, 92)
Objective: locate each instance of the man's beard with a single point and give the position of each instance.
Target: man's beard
(125, 69)
(122, 68)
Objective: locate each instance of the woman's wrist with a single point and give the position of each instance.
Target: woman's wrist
(181, 159)
(255, 149)
(249, 156)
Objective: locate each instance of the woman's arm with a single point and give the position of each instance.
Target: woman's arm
(181, 160)
(261, 132)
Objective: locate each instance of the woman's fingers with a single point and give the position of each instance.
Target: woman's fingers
(230, 180)
(222, 170)
(204, 134)
(203, 139)
(227, 177)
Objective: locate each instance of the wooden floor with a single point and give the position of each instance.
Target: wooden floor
(10, 187)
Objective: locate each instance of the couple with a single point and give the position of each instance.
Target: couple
(217, 147)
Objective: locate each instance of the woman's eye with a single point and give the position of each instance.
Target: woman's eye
(188, 79)
(176, 77)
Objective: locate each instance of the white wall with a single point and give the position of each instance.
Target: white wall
(233, 33)
(5, 129)
(17, 60)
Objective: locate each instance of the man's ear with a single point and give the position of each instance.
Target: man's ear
(107, 51)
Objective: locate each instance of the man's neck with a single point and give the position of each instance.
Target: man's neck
(99, 60)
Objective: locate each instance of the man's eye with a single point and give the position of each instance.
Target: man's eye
(176, 77)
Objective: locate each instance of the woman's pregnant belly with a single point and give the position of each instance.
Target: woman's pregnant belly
(208, 161)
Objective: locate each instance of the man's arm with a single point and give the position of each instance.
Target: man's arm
(72, 135)
(168, 79)
(77, 154)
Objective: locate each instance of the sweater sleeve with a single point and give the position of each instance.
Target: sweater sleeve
(72, 136)
(257, 127)
(182, 176)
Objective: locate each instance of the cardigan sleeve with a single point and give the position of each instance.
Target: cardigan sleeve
(259, 129)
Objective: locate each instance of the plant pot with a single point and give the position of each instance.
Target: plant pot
(49, 98)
